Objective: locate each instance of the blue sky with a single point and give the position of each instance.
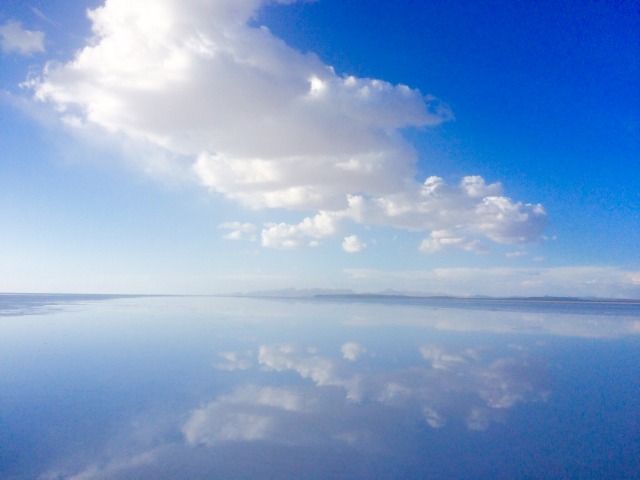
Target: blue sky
(213, 147)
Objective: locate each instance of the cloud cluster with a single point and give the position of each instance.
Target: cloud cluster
(15, 39)
(469, 384)
(317, 414)
(270, 127)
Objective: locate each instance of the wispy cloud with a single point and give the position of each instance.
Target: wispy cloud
(38, 13)
(16, 39)
(505, 281)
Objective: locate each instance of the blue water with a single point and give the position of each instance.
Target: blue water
(98, 387)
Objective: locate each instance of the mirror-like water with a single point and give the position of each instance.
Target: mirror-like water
(203, 387)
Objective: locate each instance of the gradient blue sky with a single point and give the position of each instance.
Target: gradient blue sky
(180, 148)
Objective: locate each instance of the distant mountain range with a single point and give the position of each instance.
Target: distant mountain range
(389, 294)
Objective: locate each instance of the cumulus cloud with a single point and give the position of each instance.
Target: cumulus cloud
(270, 127)
(306, 234)
(352, 244)
(15, 39)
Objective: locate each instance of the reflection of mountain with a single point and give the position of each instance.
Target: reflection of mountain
(390, 294)
(572, 305)
(296, 293)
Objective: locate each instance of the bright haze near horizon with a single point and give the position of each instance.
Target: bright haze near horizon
(191, 146)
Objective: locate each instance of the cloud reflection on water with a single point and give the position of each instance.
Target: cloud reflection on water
(300, 389)
(340, 404)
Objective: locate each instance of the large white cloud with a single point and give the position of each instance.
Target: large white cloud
(270, 127)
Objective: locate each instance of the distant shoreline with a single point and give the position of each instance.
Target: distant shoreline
(312, 294)
(321, 294)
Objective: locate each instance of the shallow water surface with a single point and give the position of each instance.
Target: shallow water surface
(205, 387)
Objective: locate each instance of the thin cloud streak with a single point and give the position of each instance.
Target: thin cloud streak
(610, 282)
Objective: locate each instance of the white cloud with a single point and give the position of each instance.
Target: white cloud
(271, 127)
(489, 386)
(352, 351)
(441, 239)
(15, 39)
(208, 426)
(303, 361)
(239, 231)
(439, 359)
(305, 234)
(474, 391)
(456, 215)
(352, 244)
(467, 384)
(234, 361)
(634, 278)
(249, 413)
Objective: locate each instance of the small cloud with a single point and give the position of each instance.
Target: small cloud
(479, 419)
(352, 244)
(433, 418)
(239, 231)
(15, 39)
(305, 234)
(234, 361)
(443, 239)
(517, 254)
(352, 351)
(303, 361)
(439, 359)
